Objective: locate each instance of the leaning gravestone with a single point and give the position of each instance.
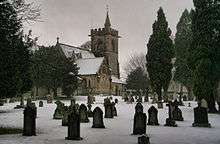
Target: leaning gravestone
(74, 126)
(170, 121)
(41, 103)
(108, 109)
(201, 117)
(98, 118)
(143, 140)
(83, 114)
(139, 126)
(152, 116)
(29, 128)
(177, 114)
(58, 114)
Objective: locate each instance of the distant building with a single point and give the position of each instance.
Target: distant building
(97, 61)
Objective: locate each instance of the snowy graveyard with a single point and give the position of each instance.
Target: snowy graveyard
(117, 130)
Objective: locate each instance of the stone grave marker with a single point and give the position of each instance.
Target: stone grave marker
(143, 140)
(58, 114)
(41, 103)
(114, 109)
(98, 118)
(170, 121)
(29, 127)
(139, 108)
(66, 112)
(90, 114)
(108, 109)
(177, 113)
(83, 114)
(74, 126)
(152, 116)
(116, 101)
(139, 125)
(201, 117)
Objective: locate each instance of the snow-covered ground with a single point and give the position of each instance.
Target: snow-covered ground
(118, 130)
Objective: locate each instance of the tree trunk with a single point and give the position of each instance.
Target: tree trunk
(55, 92)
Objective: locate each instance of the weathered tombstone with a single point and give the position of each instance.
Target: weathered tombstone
(189, 104)
(98, 118)
(204, 103)
(83, 114)
(114, 109)
(58, 114)
(177, 114)
(21, 103)
(65, 116)
(146, 98)
(73, 126)
(29, 128)
(201, 117)
(143, 140)
(49, 99)
(152, 116)
(139, 108)
(170, 121)
(160, 104)
(41, 103)
(90, 99)
(29, 101)
(175, 103)
(90, 114)
(116, 101)
(139, 126)
(108, 109)
(1, 102)
(132, 99)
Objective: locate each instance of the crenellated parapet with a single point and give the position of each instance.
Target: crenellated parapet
(103, 31)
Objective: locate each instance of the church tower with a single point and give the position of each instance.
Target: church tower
(104, 43)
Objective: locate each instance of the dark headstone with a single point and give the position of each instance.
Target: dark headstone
(143, 140)
(108, 109)
(201, 117)
(132, 99)
(83, 114)
(139, 108)
(74, 126)
(160, 104)
(21, 103)
(29, 128)
(170, 121)
(115, 111)
(139, 126)
(146, 99)
(152, 116)
(90, 114)
(58, 114)
(189, 104)
(116, 101)
(90, 99)
(184, 98)
(41, 103)
(177, 114)
(98, 118)
(1, 102)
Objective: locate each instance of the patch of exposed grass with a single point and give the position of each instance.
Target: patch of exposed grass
(10, 130)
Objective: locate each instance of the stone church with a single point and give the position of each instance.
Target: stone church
(97, 61)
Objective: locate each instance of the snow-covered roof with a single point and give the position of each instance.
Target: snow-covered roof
(86, 45)
(89, 66)
(70, 50)
(116, 80)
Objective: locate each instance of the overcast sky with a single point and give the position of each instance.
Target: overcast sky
(71, 21)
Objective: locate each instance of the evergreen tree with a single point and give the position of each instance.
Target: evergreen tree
(137, 80)
(51, 69)
(14, 55)
(204, 52)
(183, 38)
(159, 55)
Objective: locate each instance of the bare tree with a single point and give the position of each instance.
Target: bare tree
(135, 61)
(27, 12)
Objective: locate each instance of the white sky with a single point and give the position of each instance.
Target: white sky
(71, 20)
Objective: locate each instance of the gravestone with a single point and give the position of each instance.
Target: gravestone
(143, 140)
(184, 98)
(58, 114)
(146, 98)
(201, 117)
(139, 99)
(139, 125)
(74, 126)
(72, 102)
(204, 103)
(29, 128)
(114, 109)
(21, 103)
(139, 108)
(1, 102)
(108, 109)
(160, 104)
(132, 99)
(170, 121)
(177, 114)
(189, 104)
(65, 116)
(41, 103)
(90, 114)
(152, 116)
(90, 99)
(116, 101)
(83, 114)
(98, 118)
